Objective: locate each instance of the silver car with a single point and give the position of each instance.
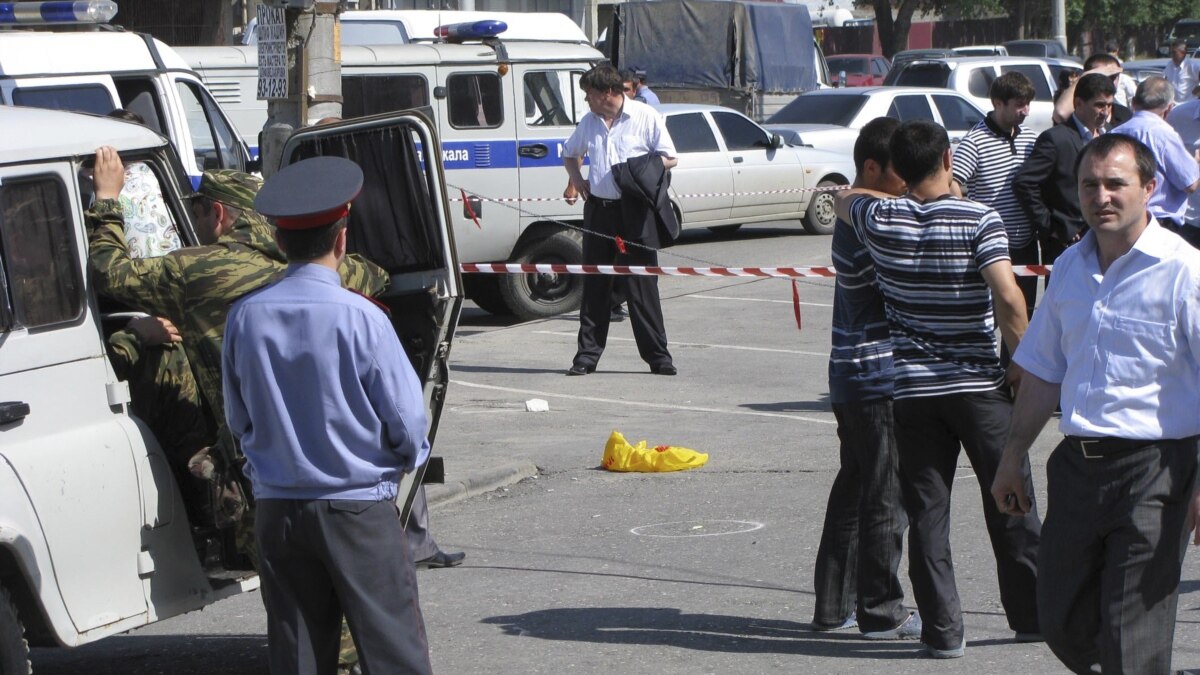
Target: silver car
(732, 171)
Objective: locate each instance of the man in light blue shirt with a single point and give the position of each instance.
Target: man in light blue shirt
(1116, 343)
(1176, 173)
(330, 415)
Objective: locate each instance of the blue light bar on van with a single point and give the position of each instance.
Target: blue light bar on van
(470, 30)
(57, 11)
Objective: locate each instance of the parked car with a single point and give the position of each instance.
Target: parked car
(914, 54)
(830, 119)
(981, 50)
(1187, 30)
(734, 172)
(1051, 49)
(862, 70)
(972, 76)
(1140, 70)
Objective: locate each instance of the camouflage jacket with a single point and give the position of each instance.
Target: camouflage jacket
(195, 286)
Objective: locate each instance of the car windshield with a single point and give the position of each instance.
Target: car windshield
(920, 75)
(848, 64)
(825, 109)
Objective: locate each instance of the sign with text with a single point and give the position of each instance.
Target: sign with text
(272, 53)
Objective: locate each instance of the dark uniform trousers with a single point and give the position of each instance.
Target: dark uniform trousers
(645, 310)
(929, 432)
(321, 558)
(863, 537)
(1108, 572)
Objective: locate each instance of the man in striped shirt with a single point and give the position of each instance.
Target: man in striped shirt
(988, 159)
(942, 264)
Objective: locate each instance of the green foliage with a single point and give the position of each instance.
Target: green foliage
(1120, 17)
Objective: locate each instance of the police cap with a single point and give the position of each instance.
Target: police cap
(235, 188)
(310, 193)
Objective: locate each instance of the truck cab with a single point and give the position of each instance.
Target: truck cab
(94, 536)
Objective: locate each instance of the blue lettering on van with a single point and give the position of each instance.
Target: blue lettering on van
(496, 154)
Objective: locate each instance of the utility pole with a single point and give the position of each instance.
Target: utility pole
(1060, 22)
(300, 70)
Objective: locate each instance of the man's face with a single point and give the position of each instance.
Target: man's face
(1009, 114)
(207, 223)
(604, 103)
(629, 88)
(1094, 112)
(1177, 54)
(1111, 193)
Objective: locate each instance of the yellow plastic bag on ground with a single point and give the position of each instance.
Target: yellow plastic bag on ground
(619, 455)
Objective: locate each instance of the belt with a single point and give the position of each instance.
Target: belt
(1106, 446)
(601, 201)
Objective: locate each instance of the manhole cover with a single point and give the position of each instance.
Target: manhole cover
(696, 528)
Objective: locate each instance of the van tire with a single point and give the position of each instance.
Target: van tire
(14, 650)
(537, 296)
(484, 290)
(820, 217)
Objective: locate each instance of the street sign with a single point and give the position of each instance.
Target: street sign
(272, 53)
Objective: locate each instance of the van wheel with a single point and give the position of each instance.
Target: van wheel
(537, 295)
(14, 650)
(484, 290)
(821, 215)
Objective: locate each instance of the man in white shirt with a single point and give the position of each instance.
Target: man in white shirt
(1116, 343)
(616, 130)
(1182, 72)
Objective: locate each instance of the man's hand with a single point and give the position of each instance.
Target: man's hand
(109, 175)
(1008, 488)
(579, 188)
(154, 330)
(572, 195)
(1193, 518)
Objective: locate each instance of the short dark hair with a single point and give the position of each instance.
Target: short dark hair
(917, 148)
(627, 76)
(603, 77)
(127, 115)
(310, 244)
(1011, 85)
(872, 142)
(206, 205)
(1092, 85)
(1105, 144)
(1111, 46)
(1099, 59)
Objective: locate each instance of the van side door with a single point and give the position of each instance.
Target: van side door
(204, 137)
(550, 106)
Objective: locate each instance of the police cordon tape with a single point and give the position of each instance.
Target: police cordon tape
(657, 270)
(828, 188)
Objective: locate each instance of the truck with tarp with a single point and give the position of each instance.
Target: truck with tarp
(753, 57)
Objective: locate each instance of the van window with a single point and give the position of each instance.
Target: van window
(739, 132)
(42, 279)
(371, 95)
(550, 99)
(213, 140)
(139, 95)
(1041, 88)
(88, 98)
(691, 133)
(474, 101)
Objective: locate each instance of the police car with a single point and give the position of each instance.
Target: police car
(94, 536)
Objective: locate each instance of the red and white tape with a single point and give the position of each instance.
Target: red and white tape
(630, 270)
(831, 188)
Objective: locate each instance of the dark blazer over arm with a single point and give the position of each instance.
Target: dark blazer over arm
(645, 201)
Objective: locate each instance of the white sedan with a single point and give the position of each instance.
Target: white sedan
(732, 171)
(830, 119)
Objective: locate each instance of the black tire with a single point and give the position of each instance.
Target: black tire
(14, 650)
(484, 290)
(820, 216)
(725, 229)
(536, 296)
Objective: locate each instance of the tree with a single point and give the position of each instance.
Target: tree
(893, 28)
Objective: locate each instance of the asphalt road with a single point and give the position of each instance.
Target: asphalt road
(705, 571)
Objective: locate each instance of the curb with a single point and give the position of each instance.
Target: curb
(479, 482)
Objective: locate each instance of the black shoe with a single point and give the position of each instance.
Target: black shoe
(441, 559)
(581, 369)
(663, 369)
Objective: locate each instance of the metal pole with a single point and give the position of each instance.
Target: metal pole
(1060, 22)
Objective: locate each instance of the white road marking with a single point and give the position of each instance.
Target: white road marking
(748, 526)
(742, 348)
(643, 404)
(728, 297)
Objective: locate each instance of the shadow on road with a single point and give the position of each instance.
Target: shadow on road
(175, 654)
(790, 406)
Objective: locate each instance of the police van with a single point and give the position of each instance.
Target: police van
(47, 62)
(94, 536)
(503, 108)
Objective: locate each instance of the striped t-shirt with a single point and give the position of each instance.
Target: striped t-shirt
(860, 361)
(985, 164)
(927, 262)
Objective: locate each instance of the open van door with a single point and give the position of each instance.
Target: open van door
(400, 222)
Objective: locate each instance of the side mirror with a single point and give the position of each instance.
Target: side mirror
(776, 141)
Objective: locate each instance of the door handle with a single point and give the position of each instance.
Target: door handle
(738, 160)
(534, 150)
(13, 411)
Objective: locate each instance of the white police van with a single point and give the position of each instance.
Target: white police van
(102, 69)
(94, 536)
(503, 109)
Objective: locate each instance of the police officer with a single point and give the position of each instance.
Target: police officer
(330, 415)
